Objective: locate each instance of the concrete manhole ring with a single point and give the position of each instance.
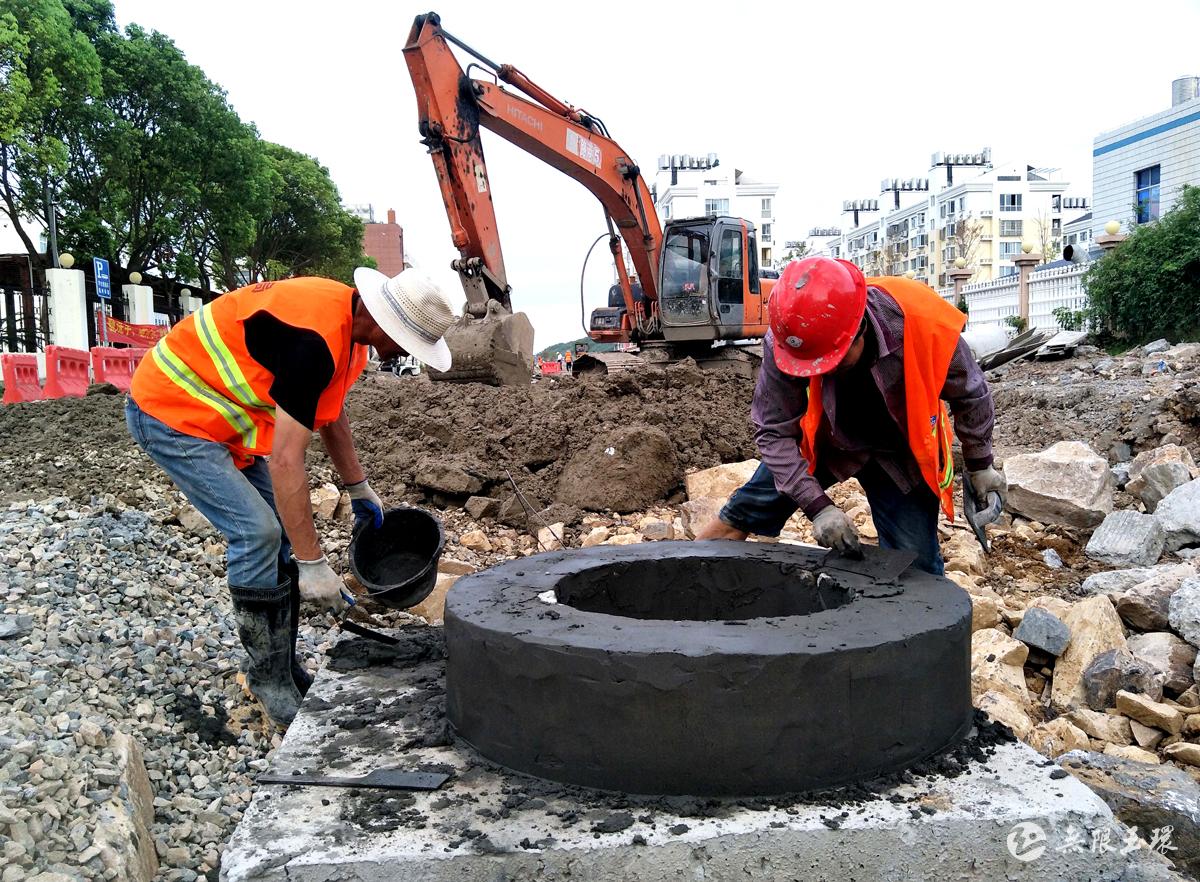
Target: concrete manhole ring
(705, 668)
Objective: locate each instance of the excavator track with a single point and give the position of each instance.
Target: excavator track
(741, 360)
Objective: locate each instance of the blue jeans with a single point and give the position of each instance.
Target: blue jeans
(904, 521)
(239, 503)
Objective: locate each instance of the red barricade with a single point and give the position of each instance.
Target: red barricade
(112, 365)
(551, 367)
(135, 358)
(68, 372)
(21, 378)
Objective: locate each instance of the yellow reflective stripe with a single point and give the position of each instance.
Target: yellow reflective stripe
(227, 366)
(943, 431)
(190, 382)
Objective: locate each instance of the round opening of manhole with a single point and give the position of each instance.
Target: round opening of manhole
(701, 589)
(706, 668)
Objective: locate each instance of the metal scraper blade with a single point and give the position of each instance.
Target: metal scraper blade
(380, 779)
(880, 564)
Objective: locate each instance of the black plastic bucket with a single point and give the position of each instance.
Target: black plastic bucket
(397, 563)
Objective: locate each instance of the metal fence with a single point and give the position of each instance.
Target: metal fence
(24, 319)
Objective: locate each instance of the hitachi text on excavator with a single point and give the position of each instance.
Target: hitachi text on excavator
(694, 287)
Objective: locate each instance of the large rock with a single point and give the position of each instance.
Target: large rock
(996, 661)
(1153, 474)
(1119, 581)
(123, 828)
(1112, 728)
(1006, 710)
(1172, 657)
(1132, 752)
(447, 477)
(719, 482)
(433, 608)
(1147, 797)
(1179, 515)
(1068, 483)
(324, 500)
(1127, 538)
(1043, 630)
(480, 507)
(696, 513)
(1057, 737)
(1095, 628)
(623, 469)
(1146, 606)
(1117, 670)
(1183, 611)
(1149, 712)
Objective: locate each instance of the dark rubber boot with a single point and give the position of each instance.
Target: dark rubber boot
(300, 676)
(264, 621)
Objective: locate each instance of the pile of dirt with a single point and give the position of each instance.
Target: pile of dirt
(444, 442)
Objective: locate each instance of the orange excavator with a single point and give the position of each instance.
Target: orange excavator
(693, 286)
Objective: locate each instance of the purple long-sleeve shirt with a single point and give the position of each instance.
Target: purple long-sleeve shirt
(865, 414)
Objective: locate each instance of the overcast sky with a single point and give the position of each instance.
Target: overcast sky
(825, 98)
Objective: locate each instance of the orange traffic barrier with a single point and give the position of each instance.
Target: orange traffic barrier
(21, 378)
(112, 365)
(68, 372)
(135, 358)
(551, 367)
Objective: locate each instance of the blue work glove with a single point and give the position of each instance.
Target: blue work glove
(366, 504)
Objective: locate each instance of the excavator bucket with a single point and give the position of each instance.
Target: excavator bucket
(496, 349)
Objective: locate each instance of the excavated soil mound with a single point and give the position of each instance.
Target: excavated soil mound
(447, 441)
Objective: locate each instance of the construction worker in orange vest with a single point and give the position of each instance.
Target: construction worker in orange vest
(855, 372)
(251, 376)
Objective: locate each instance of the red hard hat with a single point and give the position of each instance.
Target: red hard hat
(816, 309)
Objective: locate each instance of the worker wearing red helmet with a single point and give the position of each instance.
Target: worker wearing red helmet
(855, 380)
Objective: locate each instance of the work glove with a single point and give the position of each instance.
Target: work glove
(320, 585)
(366, 504)
(987, 481)
(833, 529)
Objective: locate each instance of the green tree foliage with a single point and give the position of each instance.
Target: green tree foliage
(150, 165)
(300, 229)
(50, 75)
(1149, 285)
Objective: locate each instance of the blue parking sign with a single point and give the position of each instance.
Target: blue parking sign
(103, 280)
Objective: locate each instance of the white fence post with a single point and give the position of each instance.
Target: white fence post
(141, 303)
(68, 308)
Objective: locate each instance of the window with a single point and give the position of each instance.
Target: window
(1010, 249)
(766, 232)
(1056, 203)
(716, 206)
(1011, 227)
(766, 207)
(667, 211)
(685, 263)
(1147, 194)
(729, 268)
(1010, 201)
(766, 256)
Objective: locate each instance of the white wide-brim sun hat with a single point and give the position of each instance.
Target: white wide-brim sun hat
(412, 310)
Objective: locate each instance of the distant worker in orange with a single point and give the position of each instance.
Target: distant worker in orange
(854, 375)
(252, 375)
(567, 358)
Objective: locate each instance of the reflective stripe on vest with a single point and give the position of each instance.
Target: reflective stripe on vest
(190, 382)
(224, 361)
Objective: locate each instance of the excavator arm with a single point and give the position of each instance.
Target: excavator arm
(453, 108)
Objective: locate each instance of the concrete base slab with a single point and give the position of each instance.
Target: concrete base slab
(1013, 816)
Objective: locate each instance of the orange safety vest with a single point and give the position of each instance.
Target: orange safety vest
(931, 331)
(200, 379)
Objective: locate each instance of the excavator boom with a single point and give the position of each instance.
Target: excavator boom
(492, 344)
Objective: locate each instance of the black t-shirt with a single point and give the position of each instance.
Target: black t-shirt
(299, 359)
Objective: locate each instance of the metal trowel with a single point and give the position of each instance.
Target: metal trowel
(884, 565)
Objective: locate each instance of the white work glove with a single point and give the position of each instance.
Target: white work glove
(987, 481)
(320, 585)
(366, 504)
(833, 529)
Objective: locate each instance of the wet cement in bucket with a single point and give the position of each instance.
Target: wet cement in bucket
(393, 568)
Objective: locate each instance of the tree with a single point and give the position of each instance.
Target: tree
(1049, 241)
(794, 250)
(49, 77)
(1147, 286)
(300, 229)
(160, 159)
(967, 234)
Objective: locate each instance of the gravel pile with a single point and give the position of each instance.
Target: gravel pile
(115, 620)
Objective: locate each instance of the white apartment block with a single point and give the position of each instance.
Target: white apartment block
(1139, 169)
(982, 216)
(696, 186)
